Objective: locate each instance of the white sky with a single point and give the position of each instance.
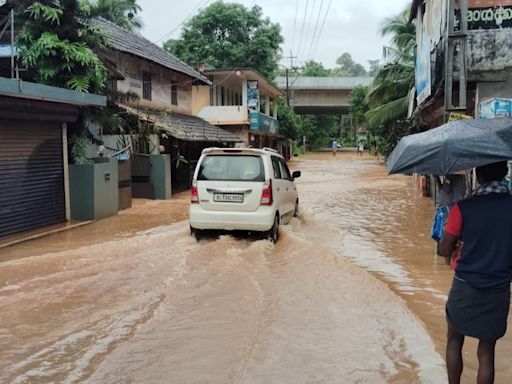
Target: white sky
(351, 25)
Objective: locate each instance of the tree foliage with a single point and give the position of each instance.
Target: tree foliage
(58, 40)
(388, 95)
(121, 12)
(348, 65)
(227, 35)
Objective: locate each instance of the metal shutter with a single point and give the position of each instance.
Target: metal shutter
(31, 176)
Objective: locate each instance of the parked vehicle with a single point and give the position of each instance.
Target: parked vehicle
(242, 189)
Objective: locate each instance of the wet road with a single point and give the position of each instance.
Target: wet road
(352, 293)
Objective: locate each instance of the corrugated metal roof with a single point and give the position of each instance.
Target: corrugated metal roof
(319, 83)
(129, 42)
(184, 127)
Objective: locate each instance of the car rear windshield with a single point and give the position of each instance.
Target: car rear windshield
(232, 168)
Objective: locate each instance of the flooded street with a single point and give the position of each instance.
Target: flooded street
(352, 293)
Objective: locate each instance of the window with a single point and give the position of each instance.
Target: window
(174, 93)
(285, 171)
(275, 166)
(146, 85)
(232, 168)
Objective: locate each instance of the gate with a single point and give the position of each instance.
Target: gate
(125, 184)
(142, 187)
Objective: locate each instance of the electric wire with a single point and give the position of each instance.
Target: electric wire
(295, 24)
(308, 28)
(317, 23)
(301, 40)
(199, 5)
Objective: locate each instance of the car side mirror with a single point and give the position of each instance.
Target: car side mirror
(296, 174)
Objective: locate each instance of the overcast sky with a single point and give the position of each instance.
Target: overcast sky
(351, 25)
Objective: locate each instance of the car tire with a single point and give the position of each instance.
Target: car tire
(296, 210)
(196, 233)
(273, 233)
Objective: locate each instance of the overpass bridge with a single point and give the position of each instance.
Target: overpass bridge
(321, 95)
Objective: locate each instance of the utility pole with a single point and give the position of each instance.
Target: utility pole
(287, 88)
(291, 57)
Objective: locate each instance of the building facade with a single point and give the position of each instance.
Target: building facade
(242, 101)
(464, 57)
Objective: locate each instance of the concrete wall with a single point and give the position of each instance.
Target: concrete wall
(161, 176)
(94, 190)
(132, 67)
(200, 98)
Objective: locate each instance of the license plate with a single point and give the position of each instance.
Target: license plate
(228, 198)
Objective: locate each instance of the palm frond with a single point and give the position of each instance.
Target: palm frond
(389, 112)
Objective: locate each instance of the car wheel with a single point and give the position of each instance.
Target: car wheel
(196, 233)
(296, 210)
(273, 234)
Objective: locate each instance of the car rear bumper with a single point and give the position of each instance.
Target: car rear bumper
(261, 220)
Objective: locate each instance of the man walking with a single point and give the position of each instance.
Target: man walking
(334, 147)
(479, 300)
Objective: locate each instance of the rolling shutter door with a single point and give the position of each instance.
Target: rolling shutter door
(31, 176)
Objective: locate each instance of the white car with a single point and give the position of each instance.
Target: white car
(242, 189)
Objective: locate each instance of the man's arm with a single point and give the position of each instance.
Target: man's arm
(447, 246)
(452, 231)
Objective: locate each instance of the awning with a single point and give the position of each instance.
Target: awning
(183, 127)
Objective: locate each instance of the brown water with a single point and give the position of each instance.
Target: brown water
(134, 299)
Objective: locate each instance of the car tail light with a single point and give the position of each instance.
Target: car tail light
(194, 194)
(266, 194)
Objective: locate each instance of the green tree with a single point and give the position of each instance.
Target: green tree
(121, 12)
(58, 41)
(227, 35)
(348, 65)
(314, 69)
(388, 95)
(358, 106)
(289, 122)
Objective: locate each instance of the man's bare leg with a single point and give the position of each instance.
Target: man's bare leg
(486, 362)
(454, 363)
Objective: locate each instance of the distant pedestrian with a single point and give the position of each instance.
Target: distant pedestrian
(334, 147)
(360, 148)
(479, 299)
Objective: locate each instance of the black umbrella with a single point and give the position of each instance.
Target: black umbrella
(453, 147)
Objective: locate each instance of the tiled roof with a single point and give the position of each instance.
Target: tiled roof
(129, 42)
(184, 127)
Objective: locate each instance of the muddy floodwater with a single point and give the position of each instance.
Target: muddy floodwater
(352, 293)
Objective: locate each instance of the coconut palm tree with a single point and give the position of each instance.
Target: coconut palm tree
(388, 95)
(120, 12)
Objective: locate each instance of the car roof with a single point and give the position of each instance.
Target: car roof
(241, 151)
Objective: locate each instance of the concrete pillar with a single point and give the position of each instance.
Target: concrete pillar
(267, 105)
(244, 93)
(275, 108)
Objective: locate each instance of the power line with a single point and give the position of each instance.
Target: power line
(303, 27)
(295, 23)
(318, 37)
(199, 5)
(308, 27)
(317, 23)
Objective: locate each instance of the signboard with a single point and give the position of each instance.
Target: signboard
(253, 95)
(493, 17)
(423, 75)
(254, 121)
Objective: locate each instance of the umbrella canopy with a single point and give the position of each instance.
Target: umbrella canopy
(453, 147)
